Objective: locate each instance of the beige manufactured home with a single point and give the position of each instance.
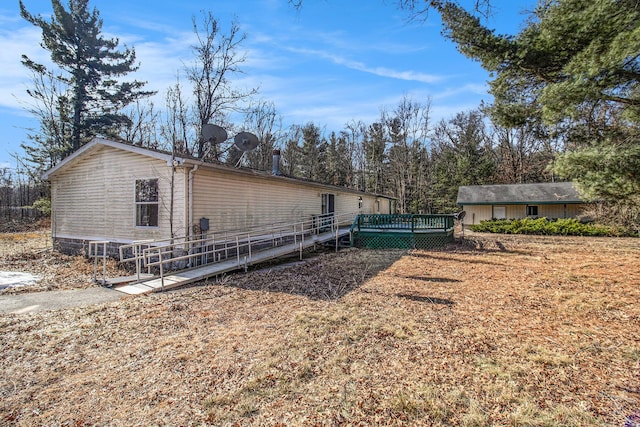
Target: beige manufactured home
(120, 193)
(513, 201)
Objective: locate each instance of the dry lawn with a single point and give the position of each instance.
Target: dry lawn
(30, 252)
(499, 330)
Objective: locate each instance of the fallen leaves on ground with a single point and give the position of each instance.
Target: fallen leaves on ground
(31, 252)
(494, 330)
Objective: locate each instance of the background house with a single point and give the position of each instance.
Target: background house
(119, 192)
(512, 201)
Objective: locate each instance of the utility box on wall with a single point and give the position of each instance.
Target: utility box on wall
(204, 224)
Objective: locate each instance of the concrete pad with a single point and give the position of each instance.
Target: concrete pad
(56, 300)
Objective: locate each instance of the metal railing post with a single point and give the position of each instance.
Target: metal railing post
(161, 270)
(136, 256)
(238, 249)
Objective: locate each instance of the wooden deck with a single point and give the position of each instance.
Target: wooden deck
(185, 277)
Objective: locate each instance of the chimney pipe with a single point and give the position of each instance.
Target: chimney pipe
(275, 166)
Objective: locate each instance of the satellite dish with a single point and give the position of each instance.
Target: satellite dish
(213, 133)
(245, 141)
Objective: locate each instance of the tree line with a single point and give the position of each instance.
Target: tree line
(566, 107)
(19, 197)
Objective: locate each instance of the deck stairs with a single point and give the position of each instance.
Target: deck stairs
(166, 264)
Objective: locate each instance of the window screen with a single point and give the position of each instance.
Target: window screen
(146, 202)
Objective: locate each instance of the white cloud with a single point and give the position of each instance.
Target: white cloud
(16, 42)
(474, 89)
(415, 76)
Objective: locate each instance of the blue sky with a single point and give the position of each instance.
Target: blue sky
(332, 62)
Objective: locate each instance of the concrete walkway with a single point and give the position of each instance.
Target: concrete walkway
(56, 300)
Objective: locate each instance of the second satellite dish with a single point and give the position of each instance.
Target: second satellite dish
(213, 133)
(245, 141)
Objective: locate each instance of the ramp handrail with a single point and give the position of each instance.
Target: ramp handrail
(182, 252)
(94, 252)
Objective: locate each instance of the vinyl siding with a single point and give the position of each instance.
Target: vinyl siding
(477, 213)
(234, 201)
(95, 198)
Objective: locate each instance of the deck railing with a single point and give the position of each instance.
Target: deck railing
(402, 231)
(404, 222)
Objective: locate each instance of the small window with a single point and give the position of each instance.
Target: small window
(532, 211)
(328, 203)
(146, 202)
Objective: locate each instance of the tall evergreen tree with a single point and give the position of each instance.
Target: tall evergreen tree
(343, 167)
(292, 154)
(313, 153)
(89, 99)
(575, 64)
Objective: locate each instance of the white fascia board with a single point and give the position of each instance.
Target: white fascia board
(96, 142)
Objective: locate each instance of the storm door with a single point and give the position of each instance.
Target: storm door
(328, 209)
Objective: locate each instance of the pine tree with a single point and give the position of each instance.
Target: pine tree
(81, 97)
(574, 66)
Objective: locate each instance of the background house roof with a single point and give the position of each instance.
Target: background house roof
(513, 194)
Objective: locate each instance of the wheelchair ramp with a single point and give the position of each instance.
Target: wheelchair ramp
(192, 275)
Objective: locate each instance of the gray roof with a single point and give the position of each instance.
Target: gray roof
(543, 193)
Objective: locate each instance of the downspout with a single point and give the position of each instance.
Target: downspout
(54, 217)
(191, 174)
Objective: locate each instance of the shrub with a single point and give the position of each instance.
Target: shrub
(43, 205)
(564, 227)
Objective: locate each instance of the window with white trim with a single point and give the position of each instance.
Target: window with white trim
(147, 202)
(532, 210)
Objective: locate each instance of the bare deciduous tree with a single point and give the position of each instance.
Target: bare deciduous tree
(217, 57)
(408, 127)
(175, 128)
(264, 121)
(142, 124)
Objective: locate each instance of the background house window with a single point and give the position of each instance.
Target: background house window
(532, 211)
(499, 212)
(147, 202)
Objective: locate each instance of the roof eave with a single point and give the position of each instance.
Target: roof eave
(95, 142)
(532, 202)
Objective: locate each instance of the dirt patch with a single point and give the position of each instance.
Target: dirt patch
(31, 252)
(497, 330)
(24, 225)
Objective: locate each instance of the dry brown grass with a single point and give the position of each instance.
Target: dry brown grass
(30, 252)
(520, 331)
